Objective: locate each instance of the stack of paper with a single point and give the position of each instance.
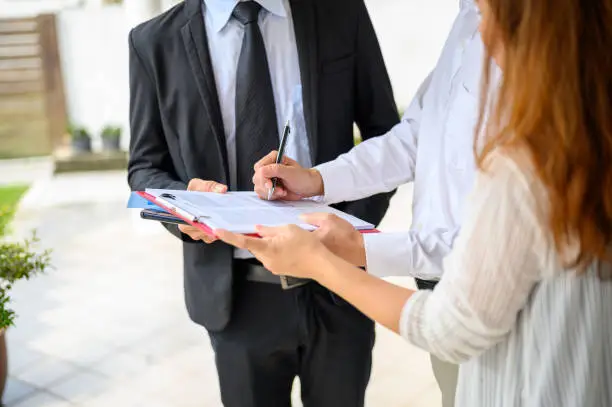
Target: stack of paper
(239, 212)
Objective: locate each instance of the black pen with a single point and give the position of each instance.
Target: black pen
(279, 156)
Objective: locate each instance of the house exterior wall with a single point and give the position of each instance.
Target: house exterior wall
(94, 52)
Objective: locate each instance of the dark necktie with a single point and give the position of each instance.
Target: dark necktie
(256, 125)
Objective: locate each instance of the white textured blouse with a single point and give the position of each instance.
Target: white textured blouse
(527, 332)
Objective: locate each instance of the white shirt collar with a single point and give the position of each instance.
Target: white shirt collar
(221, 10)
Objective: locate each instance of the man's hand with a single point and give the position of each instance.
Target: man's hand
(199, 185)
(296, 182)
(339, 236)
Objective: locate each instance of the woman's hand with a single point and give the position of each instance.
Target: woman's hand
(292, 251)
(286, 250)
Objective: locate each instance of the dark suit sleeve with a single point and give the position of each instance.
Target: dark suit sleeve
(150, 164)
(375, 109)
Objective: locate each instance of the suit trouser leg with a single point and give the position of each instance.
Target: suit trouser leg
(275, 335)
(336, 359)
(446, 375)
(256, 353)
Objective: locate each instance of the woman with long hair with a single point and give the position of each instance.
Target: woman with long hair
(525, 303)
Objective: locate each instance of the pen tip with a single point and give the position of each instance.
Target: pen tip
(288, 123)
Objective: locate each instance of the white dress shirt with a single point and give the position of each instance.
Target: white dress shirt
(432, 146)
(225, 42)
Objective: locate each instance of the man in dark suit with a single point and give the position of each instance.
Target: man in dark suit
(212, 84)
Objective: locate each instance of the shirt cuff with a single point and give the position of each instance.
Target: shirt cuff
(397, 255)
(386, 255)
(337, 182)
(377, 254)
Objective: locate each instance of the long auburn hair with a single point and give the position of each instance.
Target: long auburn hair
(555, 99)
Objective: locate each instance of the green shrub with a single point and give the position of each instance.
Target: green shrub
(111, 133)
(18, 260)
(78, 132)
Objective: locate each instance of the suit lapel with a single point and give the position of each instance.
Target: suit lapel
(304, 24)
(196, 45)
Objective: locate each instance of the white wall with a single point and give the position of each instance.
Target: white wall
(93, 48)
(411, 35)
(94, 53)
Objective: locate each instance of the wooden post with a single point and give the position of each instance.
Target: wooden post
(53, 80)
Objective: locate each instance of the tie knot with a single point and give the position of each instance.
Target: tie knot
(246, 12)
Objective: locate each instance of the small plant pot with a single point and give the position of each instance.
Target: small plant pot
(81, 145)
(3, 363)
(111, 144)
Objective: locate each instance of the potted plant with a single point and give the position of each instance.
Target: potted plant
(18, 260)
(81, 140)
(111, 138)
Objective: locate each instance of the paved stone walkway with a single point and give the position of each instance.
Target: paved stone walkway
(25, 170)
(108, 326)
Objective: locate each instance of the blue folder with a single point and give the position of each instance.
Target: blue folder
(138, 202)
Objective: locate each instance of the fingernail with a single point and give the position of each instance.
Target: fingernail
(219, 188)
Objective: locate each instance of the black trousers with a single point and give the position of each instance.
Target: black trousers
(275, 335)
(426, 284)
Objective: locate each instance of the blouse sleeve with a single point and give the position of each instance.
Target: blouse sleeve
(495, 263)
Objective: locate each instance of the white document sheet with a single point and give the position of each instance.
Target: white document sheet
(240, 212)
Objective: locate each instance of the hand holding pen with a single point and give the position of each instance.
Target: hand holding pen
(294, 182)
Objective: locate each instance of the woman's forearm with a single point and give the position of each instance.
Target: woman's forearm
(376, 298)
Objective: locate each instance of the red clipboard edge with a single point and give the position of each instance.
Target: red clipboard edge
(203, 227)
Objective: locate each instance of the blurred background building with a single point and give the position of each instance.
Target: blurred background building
(88, 55)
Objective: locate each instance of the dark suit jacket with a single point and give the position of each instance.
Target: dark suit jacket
(177, 131)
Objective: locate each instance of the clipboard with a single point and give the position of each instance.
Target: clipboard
(198, 221)
(190, 220)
